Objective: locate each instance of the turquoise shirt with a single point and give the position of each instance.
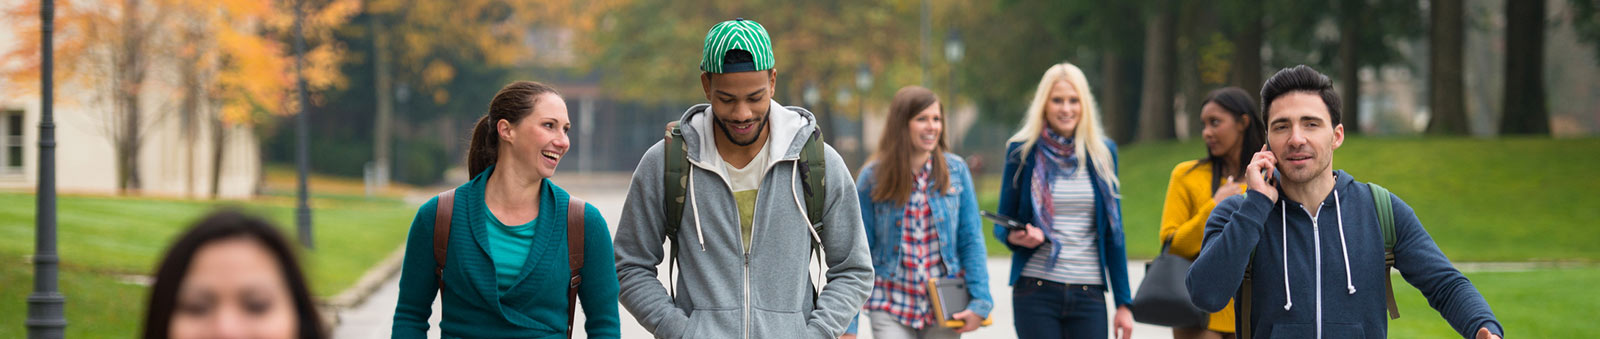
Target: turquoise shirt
(508, 247)
(477, 302)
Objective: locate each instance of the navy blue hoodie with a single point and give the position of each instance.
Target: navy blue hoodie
(1330, 285)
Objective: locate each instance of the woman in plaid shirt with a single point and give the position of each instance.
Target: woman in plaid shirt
(921, 219)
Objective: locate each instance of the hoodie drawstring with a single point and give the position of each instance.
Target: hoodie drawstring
(794, 177)
(1342, 248)
(1283, 219)
(695, 206)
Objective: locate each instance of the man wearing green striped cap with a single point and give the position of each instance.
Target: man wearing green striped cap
(738, 195)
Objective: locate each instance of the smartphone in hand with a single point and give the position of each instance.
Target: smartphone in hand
(1007, 222)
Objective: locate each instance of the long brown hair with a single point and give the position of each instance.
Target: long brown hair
(1238, 103)
(223, 225)
(511, 104)
(894, 180)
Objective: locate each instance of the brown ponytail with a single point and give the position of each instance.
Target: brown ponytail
(511, 104)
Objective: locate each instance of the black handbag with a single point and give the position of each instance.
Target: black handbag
(1163, 298)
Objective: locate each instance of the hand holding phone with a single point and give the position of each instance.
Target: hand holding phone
(1259, 173)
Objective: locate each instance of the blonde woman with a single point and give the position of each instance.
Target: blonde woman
(1061, 179)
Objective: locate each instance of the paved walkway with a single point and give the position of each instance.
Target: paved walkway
(373, 318)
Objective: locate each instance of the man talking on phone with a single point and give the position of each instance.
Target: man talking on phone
(1315, 239)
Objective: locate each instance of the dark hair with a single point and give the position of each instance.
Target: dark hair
(511, 104)
(1300, 79)
(894, 179)
(222, 225)
(1238, 102)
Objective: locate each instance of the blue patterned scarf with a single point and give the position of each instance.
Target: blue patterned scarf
(1055, 159)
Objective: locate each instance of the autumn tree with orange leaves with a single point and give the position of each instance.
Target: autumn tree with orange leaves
(225, 63)
(420, 42)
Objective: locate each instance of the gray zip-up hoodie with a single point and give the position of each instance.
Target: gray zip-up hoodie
(722, 291)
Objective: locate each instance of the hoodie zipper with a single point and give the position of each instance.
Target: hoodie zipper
(747, 249)
(746, 267)
(1316, 241)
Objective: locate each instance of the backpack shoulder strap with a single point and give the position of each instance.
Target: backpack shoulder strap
(1380, 198)
(814, 167)
(674, 183)
(675, 180)
(441, 233)
(575, 211)
(1241, 319)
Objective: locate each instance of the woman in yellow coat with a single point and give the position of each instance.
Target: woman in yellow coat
(1232, 126)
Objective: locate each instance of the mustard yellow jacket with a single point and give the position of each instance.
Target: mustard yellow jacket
(1183, 220)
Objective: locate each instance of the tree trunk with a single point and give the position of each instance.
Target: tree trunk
(1198, 27)
(189, 108)
(1247, 55)
(1350, 63)
(1444, 73)
(219, 142)
(1525, 110)
(1113, 113)
(383, 123)
(129, 72)
(1155, 109)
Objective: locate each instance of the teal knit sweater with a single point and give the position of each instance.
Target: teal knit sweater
(535, 306)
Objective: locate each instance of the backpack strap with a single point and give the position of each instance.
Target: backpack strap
(441, 233)
(1380, 198)
(675, 183)
(575, 211)
(1241, 305)
(813, 168)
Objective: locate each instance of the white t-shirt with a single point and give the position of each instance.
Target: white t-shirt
(745, 183)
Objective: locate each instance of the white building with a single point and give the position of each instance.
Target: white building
(85, 161)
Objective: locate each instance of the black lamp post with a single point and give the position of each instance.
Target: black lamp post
(46, 306)
(863, 84)
(302, 153)
(953, 51)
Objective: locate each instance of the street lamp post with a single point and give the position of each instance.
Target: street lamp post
(863, 84)
(302, 156)
(953, 51)
(811, 95)
(46, 306)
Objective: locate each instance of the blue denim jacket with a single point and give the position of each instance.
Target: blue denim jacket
(955, 214)
(1016, 201)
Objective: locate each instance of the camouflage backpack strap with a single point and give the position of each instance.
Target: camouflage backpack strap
(674, 183)
(813, 168)
(1380, 198)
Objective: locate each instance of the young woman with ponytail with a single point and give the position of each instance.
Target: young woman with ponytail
(506, 264)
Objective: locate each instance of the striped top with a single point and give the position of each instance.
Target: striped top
(1078, 262)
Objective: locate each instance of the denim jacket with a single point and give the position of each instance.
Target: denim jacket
(955, 214)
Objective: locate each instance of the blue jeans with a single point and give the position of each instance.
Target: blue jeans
(1047, 309)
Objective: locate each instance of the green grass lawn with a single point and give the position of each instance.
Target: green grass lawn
(1509, 199)
(1546, 303)
(104, 238)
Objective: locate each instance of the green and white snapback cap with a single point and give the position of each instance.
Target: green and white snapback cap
(736, 35)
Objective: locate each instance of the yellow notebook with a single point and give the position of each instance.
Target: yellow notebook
(949, 296)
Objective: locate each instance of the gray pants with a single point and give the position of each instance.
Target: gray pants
(884, 326)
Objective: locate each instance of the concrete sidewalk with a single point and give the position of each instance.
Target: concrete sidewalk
(372, 319)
